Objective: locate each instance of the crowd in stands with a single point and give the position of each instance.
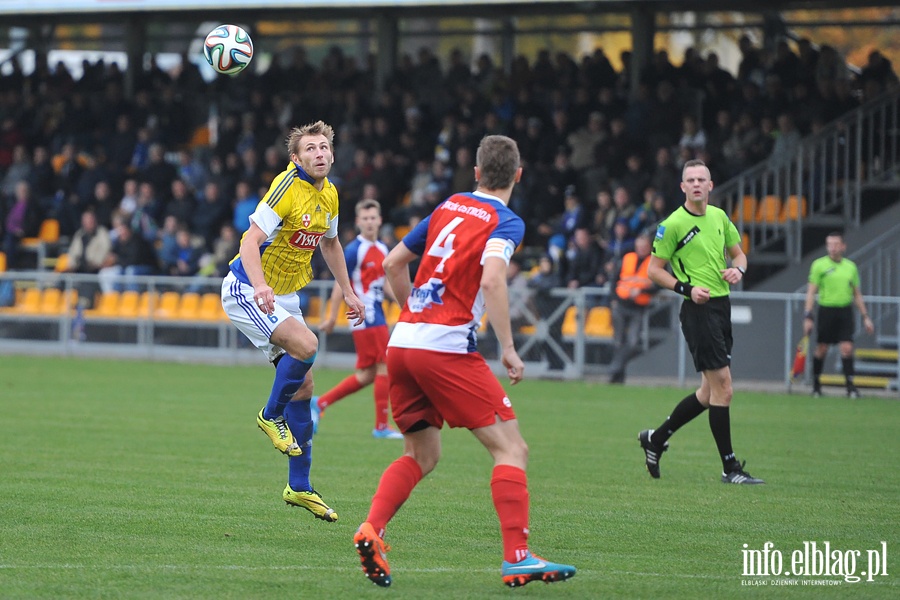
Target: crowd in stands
(137, 186)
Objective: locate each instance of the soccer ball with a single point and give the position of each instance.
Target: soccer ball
(228, 48)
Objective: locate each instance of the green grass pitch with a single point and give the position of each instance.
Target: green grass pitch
(123, 479)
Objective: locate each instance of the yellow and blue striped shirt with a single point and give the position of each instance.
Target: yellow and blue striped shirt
(295, 215)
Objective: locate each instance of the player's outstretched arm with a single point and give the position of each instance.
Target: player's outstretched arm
(496, 302)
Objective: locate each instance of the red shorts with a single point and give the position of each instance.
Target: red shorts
(437, 386)
(370, 344)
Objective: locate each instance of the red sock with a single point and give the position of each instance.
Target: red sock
(344, 388)
(381, 401)
(509, 489)
(397, 482)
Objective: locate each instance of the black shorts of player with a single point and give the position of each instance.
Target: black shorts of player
(835, 324)
(707, 331)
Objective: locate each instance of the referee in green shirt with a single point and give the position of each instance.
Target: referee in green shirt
(836, 279)
(694, 240)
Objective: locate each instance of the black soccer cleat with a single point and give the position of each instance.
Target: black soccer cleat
(739, 475)
(652, 452)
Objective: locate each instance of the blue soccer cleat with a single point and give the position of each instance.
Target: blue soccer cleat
(315, 412)
(535, 568)
(387, 434)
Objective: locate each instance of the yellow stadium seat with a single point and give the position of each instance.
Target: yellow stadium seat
(769, 210)
(313, 313)
(2, 262)
(746, 208)
(528, 329)
(794, 208)
(211, 308)
(51, 302)
(570, 322)
(391, 313)
(129, 303)
(48, 234)
(107, 306)
(168, 305)
(745, 242)
(61, 264)
(147, 304)
(69, 301)
(400, 232)
(484, 322)
(342, 316)
(599, 322)
(30, 302)
(189, 310)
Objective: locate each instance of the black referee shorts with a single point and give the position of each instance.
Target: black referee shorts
(707, 331)
(835, 324)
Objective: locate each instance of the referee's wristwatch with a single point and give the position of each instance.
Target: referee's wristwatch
(741, 269)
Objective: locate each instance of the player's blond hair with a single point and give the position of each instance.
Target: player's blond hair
(498, 160)
(317, 128)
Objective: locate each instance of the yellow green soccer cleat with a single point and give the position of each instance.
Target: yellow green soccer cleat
(311, 501)
(281, 436)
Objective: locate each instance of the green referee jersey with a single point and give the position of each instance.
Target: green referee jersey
(695, 246)
(835, 280)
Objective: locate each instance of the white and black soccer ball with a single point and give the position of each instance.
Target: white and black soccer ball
(228, 48)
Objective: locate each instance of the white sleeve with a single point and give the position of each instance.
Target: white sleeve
(265, 218)
(498, 248)
(332, 228)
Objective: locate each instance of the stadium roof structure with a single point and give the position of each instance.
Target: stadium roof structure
(53, 11)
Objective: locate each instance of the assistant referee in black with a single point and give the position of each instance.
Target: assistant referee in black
(836, 280)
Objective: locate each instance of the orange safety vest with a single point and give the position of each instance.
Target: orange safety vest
(634, 275)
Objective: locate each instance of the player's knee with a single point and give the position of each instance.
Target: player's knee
(427, 461)
(520, 450)
(365, 376)
(305, 350)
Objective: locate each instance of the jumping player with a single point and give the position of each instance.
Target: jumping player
(259, 294)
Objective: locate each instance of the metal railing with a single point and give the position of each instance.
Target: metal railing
(766, 329)
(821, 183)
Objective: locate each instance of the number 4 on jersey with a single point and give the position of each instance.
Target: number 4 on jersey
(443, 244)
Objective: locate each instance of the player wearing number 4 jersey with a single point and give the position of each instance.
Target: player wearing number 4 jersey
(259, 295)
(436, 374)
(694, 239)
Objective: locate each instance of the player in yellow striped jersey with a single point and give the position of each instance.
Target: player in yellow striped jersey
(259, 294)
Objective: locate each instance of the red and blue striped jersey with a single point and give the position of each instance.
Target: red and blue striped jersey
(446, 304)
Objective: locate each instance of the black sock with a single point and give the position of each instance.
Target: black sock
(847, 363)
(818, 365)
(688, 409)
(720, 424)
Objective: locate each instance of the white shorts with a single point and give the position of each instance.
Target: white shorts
(237, 300)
